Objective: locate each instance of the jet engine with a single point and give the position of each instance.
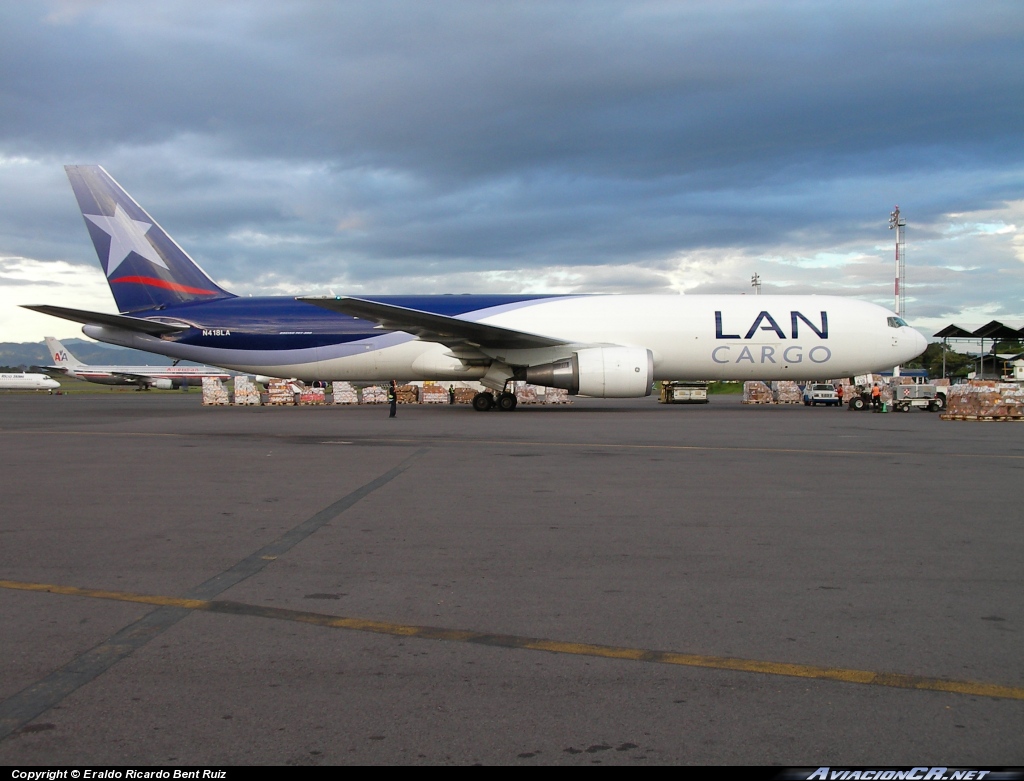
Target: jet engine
(163, 384)
(603, 372)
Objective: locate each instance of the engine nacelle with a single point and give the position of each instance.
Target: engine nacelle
(163, 384)
(264, 380)
(602, 372)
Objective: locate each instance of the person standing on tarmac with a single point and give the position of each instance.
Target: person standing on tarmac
(839, 393)
(393, 398)
(451, 394)
(876, 397)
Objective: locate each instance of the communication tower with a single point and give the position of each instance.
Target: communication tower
(897, 223)
(755, 282)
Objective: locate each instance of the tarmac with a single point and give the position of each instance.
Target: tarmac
(613, 582)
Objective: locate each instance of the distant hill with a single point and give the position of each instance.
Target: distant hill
(21, 355)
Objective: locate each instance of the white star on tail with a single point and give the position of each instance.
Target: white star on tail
(126, 236)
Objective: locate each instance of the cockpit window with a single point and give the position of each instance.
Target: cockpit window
(896, 322)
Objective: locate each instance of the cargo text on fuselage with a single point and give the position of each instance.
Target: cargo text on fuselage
(771, 353)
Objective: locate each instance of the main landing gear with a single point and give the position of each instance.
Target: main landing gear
(485, 401)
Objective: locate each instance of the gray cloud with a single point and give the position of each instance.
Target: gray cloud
(399, 141)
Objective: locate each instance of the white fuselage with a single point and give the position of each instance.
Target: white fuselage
(690, 337)
(134, 375)
(20, 381)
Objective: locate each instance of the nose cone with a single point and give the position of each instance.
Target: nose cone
(912, 343)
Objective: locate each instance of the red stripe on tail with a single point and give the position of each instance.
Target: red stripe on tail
(163, 283)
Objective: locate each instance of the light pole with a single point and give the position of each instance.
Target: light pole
(897, 223)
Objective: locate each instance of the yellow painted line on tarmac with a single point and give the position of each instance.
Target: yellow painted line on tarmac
(58, 433)
(119, 596)
(864, 677)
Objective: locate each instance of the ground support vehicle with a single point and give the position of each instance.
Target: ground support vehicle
(683, 393)
(860, 398)
(924, 397)
(820, 393)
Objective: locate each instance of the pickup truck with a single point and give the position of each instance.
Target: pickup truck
(820, 393)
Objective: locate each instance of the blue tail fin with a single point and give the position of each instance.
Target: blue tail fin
(145, 268)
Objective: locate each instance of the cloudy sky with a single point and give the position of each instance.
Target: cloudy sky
(407, 147)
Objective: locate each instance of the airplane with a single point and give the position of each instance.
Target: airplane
(610, 346)
(23, 381)
(144, 377)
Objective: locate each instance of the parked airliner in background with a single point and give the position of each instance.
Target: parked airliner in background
(145, 377)
(23, 381)
(594, 345)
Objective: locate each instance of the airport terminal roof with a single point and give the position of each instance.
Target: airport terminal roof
(994, 329)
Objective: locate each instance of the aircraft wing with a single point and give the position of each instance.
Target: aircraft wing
(50, 371)
(450, 331)
(127, 322)
(129, 377)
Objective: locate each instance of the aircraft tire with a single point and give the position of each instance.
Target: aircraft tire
(483, 402)
(507, 402)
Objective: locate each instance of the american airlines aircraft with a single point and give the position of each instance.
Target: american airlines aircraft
(144, 377)
(593, 345)
(22, 381)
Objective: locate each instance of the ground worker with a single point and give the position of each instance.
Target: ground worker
(451, 394)
(839, 393)
(393, 398)
(876, 398)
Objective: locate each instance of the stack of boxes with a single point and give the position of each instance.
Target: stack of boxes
(214, 391)
(527, 393)
(985, 399)
(246, 392)
(434, 394)
(344, 393)
(556, 396)
(756, 392)
(786, 392)
(279, 392)
(408, 394)
(374, 394)
(312, 395)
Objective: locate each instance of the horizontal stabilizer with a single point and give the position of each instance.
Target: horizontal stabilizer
(451, 331)
(125, 322)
